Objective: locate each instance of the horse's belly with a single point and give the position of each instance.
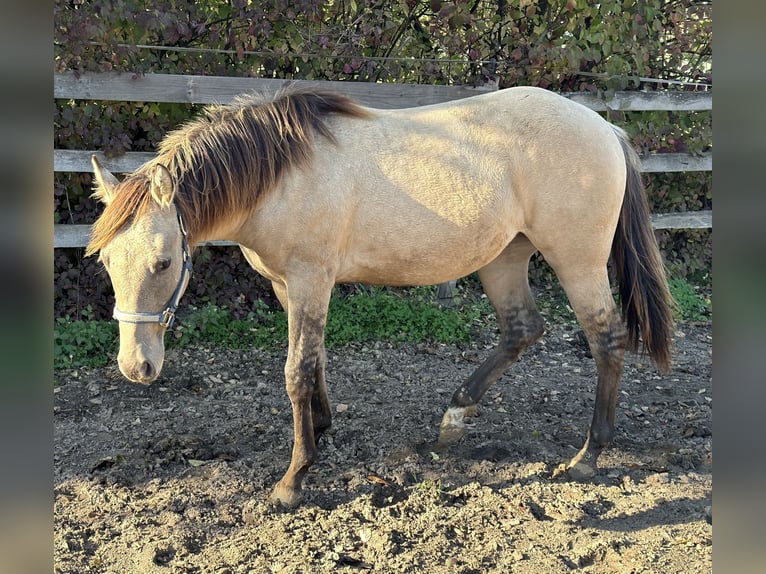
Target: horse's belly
(417, 257)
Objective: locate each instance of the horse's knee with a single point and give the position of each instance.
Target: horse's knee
(527, 329)
(300, 380)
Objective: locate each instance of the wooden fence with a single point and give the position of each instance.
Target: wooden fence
(210, 89)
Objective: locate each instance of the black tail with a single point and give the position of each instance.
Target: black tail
(647, 305)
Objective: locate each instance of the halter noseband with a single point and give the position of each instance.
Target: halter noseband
(166, 317)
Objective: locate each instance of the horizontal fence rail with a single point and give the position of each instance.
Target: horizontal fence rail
(72, 235)
(217, 89)
(79, 161)
(175, 88)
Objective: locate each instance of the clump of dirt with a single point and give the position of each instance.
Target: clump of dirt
(174, 477)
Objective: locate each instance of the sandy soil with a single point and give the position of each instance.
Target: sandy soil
(173, 477)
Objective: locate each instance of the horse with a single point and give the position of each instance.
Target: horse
(318, 190)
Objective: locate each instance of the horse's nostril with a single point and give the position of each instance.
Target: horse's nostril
(147, 370)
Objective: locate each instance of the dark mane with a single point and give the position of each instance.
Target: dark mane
(228, 157)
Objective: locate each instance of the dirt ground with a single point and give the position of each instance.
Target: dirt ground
(173, 477)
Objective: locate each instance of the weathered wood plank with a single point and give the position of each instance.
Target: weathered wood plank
(702, 219)
(212, 89)
(67, 235)
(646, 101)
(664, 162)
(219, 89)
(78, 235)
(79, 161)
(68, 160)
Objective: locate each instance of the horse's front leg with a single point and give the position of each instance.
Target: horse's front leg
(320, 402)
(307, 315)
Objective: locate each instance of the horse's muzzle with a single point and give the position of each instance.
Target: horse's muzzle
(143, 372)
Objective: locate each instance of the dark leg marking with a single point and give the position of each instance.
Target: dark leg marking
(607, 338)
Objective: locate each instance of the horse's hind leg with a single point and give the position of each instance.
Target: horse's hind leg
(506, 284)
(591, 298)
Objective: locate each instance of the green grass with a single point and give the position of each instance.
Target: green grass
(412, 315)
(369, 314)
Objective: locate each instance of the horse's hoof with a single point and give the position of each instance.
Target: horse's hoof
(449, 436)
(285, 497)
(581, 471)
(452, 427)
(561, 470)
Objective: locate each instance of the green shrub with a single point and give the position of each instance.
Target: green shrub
(411, 315)
(215, 325)
(83, 342)
(691, 304)
(564, 46)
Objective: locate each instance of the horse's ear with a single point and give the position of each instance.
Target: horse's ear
(105, 182)
(163, 187)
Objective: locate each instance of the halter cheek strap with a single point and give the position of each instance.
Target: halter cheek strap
(166, 317)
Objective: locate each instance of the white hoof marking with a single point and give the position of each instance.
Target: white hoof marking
(454, 418)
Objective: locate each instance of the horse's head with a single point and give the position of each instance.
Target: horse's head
(142, 244)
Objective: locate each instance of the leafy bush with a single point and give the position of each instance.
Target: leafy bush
(83, 342)
(691, 304)
(216, 325)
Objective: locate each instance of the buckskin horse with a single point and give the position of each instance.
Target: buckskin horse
(319, 190)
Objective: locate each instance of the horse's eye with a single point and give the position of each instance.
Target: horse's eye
(161, 265)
